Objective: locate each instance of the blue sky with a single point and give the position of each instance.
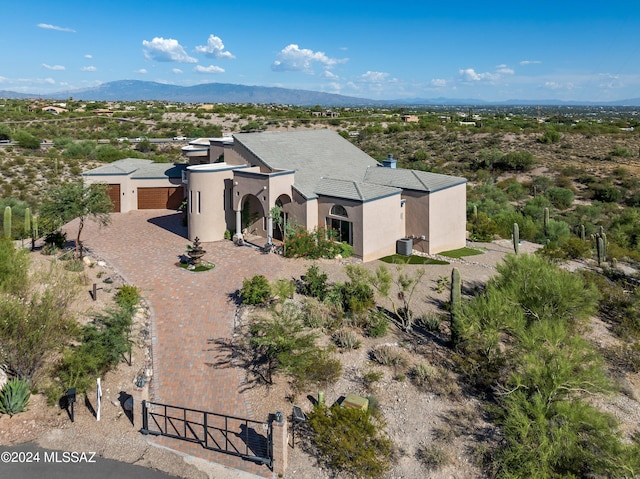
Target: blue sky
(491, 50)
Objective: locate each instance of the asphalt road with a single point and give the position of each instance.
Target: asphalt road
(28, 461)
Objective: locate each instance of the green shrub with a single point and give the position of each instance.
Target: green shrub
(351, 441)
(322, 371)
(561, 198)
(346, 250)
(74, 265)
(283, 289)
(378, 324)
(255, 290)
(430, 322)
(314, 283)
(127, 296)
(14, 397)
(319, 243)
(550, 136)
(56, 238)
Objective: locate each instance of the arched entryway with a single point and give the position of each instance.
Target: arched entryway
(253, 217)
(279, 224)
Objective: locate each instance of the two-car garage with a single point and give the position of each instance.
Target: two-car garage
(160, 198)
(138, 184)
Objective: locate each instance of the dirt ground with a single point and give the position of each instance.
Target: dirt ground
(414, 417)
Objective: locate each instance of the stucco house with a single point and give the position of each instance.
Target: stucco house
(317, 178)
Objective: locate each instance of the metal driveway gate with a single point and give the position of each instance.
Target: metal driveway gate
(232, 435)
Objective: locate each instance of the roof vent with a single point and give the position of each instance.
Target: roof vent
(390, 162)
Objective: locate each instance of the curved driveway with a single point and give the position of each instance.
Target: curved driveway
(188, 312)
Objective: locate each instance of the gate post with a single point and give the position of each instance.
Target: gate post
(280, 434)
(145, 419)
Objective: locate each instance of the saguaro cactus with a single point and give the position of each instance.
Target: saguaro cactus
(601, 245)
(516, 238)
(546, 221)
(35, 227)
(7, 222)
(583, 234)
(27, 222)
(455, 303)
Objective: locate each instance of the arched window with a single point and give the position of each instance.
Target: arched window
(338, 210)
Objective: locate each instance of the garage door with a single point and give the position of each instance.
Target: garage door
(159, 198)
(114, 196)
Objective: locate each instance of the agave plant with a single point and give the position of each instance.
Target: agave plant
(14, 397)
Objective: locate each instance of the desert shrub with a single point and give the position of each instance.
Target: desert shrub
(378, 324)
(283, 289)
(388, 355)
(433, 456)
(606, 193)
(319, 243)
(561, 198)
(482, 228)
(346, 250)
(550, 136)
(322, 371)
(127, 296)
(540, 184)
(319, 315)
(256, 290)
(351, 441)
(621, 151)
(430, 322)
(370, 378)
(74, 265)
(314, 283)
(346, 339)
(566, 248)
(433, 379)
(14, 397)
(103, 343)
(516, 161)
(281, 343)
(56, 239)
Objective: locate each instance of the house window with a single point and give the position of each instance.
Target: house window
(199, 198)
(190, 201)
(343, 229)
(338, 210)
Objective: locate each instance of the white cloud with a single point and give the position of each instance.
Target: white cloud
(53, 67)
(294, 58)
(214, 48)
(88, 56)
(90, 68)
(530, 62)
(47, 26)
(329, 75)
(469, 74)
(166, 50)
(142, 71)
(552, 85)
(439, 82)
(177, 71)
(209, 69)
(505, 70)
(374, 77)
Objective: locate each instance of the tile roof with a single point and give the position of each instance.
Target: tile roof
(313, 154)
(411, 179)
(138, 168)
(353, 190)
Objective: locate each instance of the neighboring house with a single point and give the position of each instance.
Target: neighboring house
(410, 118)
(317, 178)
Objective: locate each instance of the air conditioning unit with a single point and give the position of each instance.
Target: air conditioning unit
(404, 246)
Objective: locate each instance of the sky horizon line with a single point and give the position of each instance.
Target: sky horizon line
(367, 49)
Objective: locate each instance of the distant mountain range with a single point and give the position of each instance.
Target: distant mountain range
(135, 90)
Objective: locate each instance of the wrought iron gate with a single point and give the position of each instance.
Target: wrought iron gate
(232, 435)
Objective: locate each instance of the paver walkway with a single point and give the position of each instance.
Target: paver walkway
(188, 312)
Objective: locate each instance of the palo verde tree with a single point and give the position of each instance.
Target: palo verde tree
(76, 200)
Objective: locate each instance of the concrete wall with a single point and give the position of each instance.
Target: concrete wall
(448, 219)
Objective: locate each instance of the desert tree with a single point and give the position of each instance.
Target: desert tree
(76, 200)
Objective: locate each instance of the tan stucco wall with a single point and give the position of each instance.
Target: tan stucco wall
(448, 219)
(382, 225)
(354, 215)
(214, 188)
(129, 187)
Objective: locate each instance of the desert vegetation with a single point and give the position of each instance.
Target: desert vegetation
(522, 346)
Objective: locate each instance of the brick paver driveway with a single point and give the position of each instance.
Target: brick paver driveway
(189, 312)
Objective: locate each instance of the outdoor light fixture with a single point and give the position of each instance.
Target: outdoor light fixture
(298, 417)
(71, 399)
